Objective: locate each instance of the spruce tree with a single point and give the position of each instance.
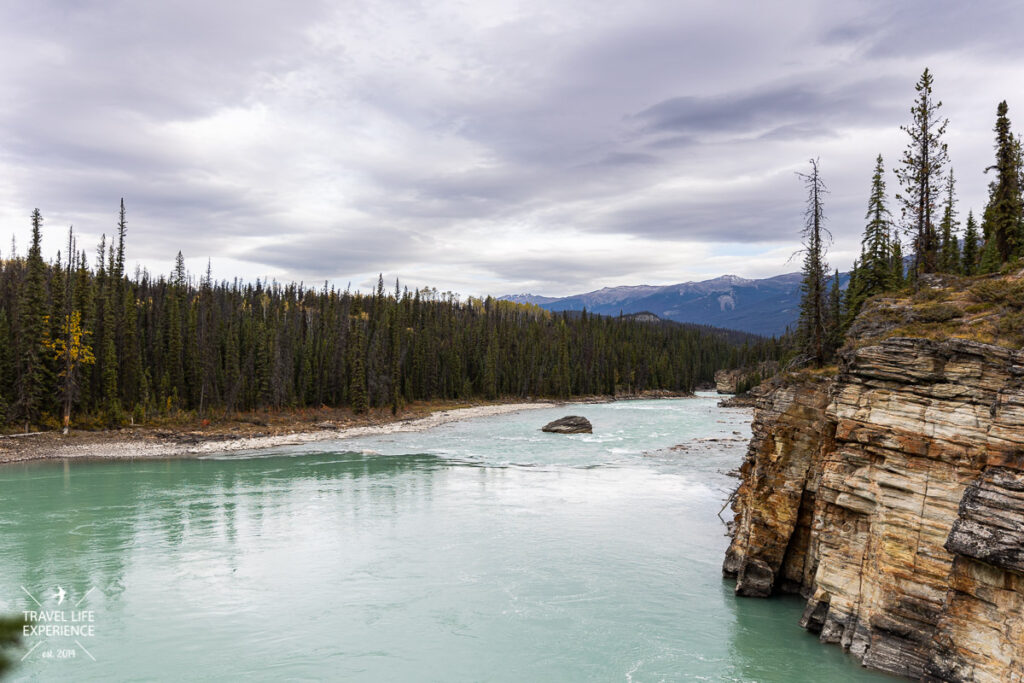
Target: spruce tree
(990, 260)
(128, 346)
(232, 367)
(855, 294)
(70, 343)
(33, 334)
(1004, 215)
(920, 173)
(395, 332)
(812, 326)
(116, 299)
(122, 229)
(969, 257)
(563, 373)
(898, 271)
(175, 330)
(111, 399)
(949, 257)
(876, 261)
(7, 372)
(357, 395)
(835, 328)
(490, 379)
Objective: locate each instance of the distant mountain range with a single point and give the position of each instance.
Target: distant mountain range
(765, 307)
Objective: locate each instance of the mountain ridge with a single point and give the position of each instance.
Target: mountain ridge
(765, 306)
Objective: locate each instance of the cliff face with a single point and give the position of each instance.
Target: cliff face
(776, 499)
(892, 498)
(726, 381)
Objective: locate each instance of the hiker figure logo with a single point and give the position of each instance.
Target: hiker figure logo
(57, 624)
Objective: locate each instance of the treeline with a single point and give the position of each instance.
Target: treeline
(113, 349)
(929, 220)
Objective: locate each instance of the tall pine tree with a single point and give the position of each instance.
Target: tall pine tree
(898, 270)
(970, 255)
(33, 333)
(108, 349)
(1004, 216)
(813, 323)
(357, 394)
(920, 174)
(875, 268)
(835, 326)
(949, 255)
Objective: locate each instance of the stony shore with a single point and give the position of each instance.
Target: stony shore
(256, 432)
(184, 442)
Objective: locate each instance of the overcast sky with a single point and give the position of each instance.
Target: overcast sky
(483, 147)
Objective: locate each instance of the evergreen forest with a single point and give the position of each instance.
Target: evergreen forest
(86, 345)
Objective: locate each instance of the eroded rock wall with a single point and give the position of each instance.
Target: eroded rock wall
(893, 499)
(770, 548)
(726, 381)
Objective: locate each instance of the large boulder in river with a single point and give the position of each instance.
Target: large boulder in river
(571, 424)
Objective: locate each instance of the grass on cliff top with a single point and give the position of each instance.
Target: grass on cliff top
(988, 309)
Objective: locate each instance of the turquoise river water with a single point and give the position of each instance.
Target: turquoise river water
(483, 550)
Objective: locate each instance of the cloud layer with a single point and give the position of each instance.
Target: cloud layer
(480, 147)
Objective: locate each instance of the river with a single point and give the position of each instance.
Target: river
(481, 550)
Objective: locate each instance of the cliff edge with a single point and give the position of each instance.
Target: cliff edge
(890, 494)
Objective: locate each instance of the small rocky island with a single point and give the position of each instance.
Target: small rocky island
(570, 424)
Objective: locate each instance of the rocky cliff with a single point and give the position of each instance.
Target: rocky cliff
(726, 381)
(891, 496)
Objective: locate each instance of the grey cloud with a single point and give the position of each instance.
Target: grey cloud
(766, 212)
(401, 136)
(366, 249)
(90, 86)
(850, 33)
(673, 142)
(920, 28)
(691, 114)
(703, 220)
(628, 159)
(776, 110)
(798, 131)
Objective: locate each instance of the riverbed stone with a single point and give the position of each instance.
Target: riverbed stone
(570, 424)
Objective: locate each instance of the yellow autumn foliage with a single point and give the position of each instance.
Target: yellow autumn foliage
(71, 346)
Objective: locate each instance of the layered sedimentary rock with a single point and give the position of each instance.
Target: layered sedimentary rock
(726, 381)
(780, 477)
(892, 498)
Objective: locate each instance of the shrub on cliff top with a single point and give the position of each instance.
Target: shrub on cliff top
(1004, 292)
(1011, 326)
(931, 294)
(936, 312)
